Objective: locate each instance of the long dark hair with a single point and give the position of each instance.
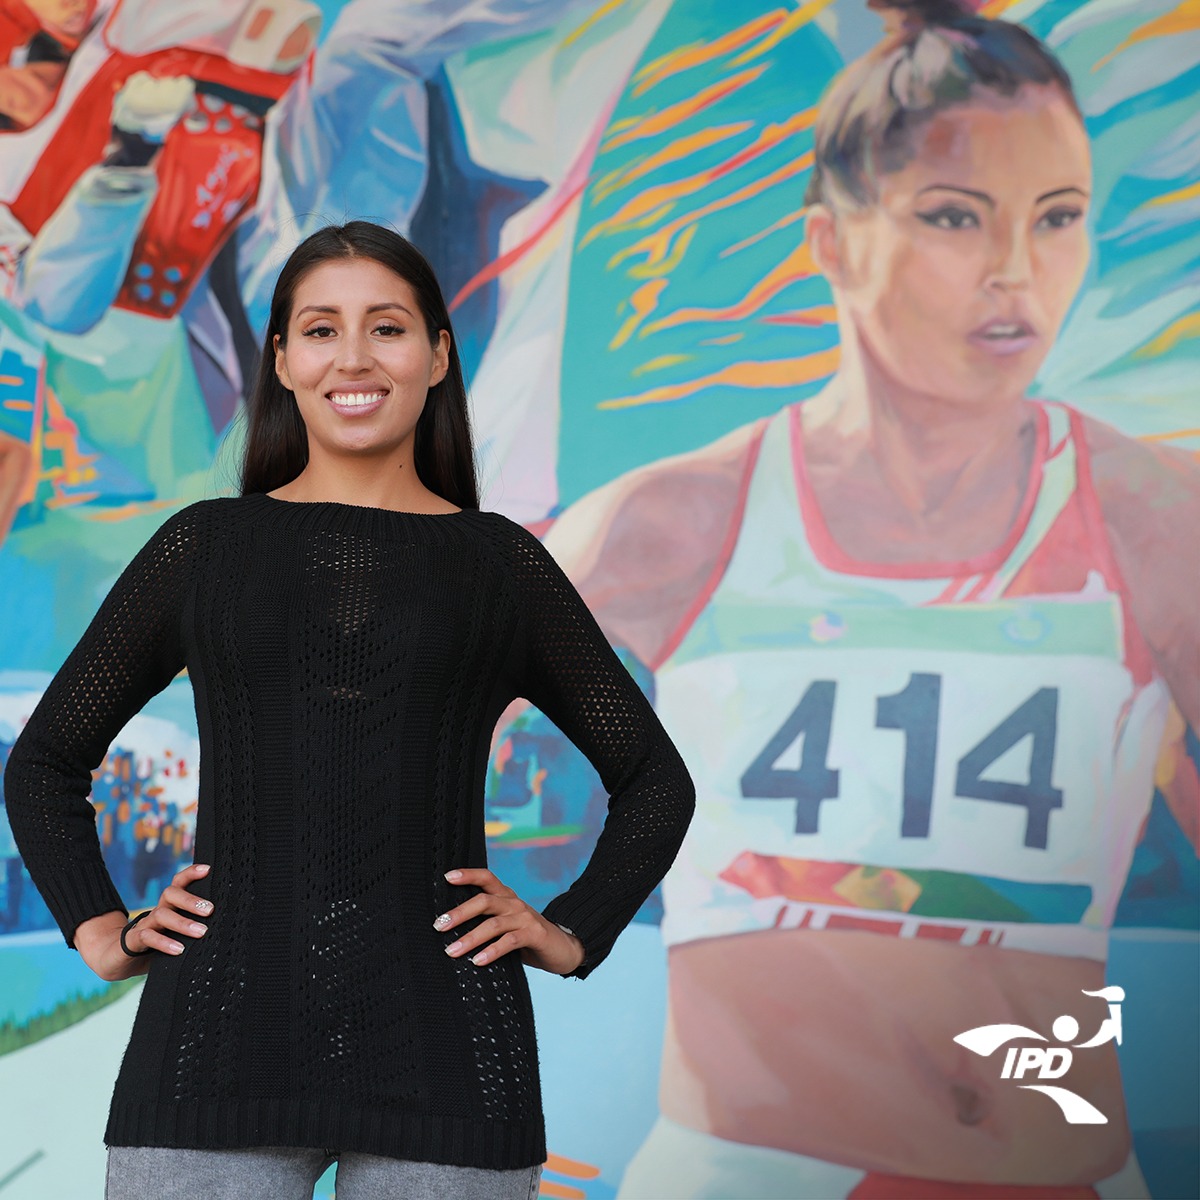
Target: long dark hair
(276, 439)
(936, 54)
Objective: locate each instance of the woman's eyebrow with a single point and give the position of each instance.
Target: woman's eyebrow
(1062, 192)
(952, 187)
(332, 308)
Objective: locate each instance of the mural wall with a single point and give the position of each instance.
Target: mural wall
(942, 717)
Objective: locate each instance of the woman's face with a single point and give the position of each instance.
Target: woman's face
(358, 358)
(958, 279)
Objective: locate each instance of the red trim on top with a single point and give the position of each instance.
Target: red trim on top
(731, 536)
(1138, 656)
(831, 555)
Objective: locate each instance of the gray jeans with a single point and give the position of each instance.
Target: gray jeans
(286, 1173)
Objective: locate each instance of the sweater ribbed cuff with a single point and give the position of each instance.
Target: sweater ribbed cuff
(78, 895)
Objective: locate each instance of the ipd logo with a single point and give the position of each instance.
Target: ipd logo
(1051, 1062)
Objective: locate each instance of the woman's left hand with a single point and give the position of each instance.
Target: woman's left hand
(511, 925)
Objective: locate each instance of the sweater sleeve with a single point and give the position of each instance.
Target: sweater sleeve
(131, 650)
(572, 674)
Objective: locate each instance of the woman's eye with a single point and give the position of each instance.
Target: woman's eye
(389, 330)
(1060, 218)
(950, 217)
(318, 331)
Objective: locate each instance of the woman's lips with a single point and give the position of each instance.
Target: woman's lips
(1003, 338)
(355, 404)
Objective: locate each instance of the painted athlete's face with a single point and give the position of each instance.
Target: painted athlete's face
(27, 93)
(64, 19)
(358, 359)
(956, 282)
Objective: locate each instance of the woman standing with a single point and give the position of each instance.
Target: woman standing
(936, 626)
(339, 976)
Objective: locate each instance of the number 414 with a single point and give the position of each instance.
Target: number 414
(914, 712)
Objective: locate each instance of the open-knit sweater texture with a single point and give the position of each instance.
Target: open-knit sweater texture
(349, 665)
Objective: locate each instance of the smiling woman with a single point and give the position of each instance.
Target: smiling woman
(340, 976)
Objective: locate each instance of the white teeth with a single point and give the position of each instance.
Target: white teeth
(1005, 331)
(355, 399)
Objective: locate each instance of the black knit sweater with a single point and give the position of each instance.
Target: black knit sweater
(349, 665)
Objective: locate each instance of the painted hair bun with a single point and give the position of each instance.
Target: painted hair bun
(911, 16)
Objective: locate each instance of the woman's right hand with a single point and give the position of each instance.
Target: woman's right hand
(98, 940)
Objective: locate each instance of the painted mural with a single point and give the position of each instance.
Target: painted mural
(942, 717)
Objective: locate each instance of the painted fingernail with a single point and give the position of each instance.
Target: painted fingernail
(443, 922)
(453, 875)
(479, 959)
(454, 948)
(203, 906)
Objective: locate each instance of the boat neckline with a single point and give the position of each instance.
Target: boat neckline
(365, 508)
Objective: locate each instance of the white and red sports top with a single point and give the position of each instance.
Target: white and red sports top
(962, 751)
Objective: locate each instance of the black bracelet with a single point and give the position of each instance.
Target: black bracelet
(128, 926)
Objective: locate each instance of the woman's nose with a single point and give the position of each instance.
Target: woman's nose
(353, 352)
(1011, 263)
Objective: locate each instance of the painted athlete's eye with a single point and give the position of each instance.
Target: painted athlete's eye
(1060, 217)
(950, 216)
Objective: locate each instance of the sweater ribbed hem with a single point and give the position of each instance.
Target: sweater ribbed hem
(328, 1123)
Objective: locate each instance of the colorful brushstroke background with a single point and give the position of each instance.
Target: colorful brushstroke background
(612, 195)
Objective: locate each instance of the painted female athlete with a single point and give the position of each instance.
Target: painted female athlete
(917, 639)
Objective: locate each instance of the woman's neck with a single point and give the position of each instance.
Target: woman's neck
(363, 482)
(928, 451)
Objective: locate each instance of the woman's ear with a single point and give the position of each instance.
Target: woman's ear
(821, 233)
(441, 358)
(281, 371)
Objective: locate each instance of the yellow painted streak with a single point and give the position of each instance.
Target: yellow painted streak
(495, 828)
(797, 265)
(782, 223)
(643, 301)
(995, 8)
(696, 54)
(1184, 193)
(680, 148)
(668, 264)
(1183, 18)
(786, 372)
(599, 15)
(1187, 326)
(725, 340)
(654, 196)
(796, 20)
(655, 245)
(662, 362)
(674, 114)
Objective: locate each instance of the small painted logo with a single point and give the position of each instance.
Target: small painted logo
(1049, 1061)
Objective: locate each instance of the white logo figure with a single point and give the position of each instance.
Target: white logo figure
(1053, 1062)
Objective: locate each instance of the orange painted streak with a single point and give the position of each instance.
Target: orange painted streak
(656, 245)
(1183, 18)
(571, 1166)
(785, 372)
(560, 1191)
(675, 114)
(994, 8)
(798, 265)
(653, 197)
(644, 301)
(698, 53)
(668, 264)
(819, 314)
(753, 239)
(796, 20)
(133, 509)
(1174, 436)
(680, 148)
(498, 266)
(603, 11)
